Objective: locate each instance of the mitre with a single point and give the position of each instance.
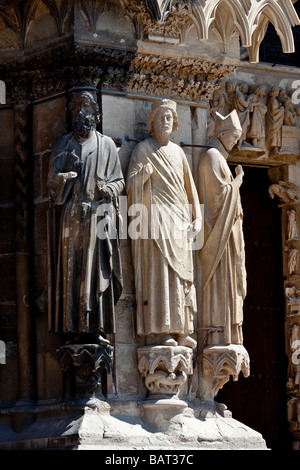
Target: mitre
(228, 123)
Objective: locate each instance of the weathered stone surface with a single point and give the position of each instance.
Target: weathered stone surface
(98, 429)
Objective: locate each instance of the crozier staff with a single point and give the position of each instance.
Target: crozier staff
(85, 275)
(159, 175)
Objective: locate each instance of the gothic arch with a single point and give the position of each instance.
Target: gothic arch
(250, 20)
(281, 18)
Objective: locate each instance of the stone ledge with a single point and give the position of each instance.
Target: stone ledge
(95, 429)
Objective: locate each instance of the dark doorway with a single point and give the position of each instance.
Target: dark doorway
(260, 401)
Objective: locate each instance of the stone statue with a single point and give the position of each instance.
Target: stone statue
(293, 259)
(241, 102)
(85, 274)
(274, 120)
(290, 117)
(258, 109)
(222, 258)
(229, 95)
(159, 178)
(292, 225)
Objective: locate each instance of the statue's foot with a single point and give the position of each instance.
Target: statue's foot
(186, 340)
(169, 341)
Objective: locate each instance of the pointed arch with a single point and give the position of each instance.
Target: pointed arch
(198, 17)
(251, 19)
(240, 20)
(270, 11)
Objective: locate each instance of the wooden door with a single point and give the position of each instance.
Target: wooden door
(260, 401)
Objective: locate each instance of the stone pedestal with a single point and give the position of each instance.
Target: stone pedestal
(219, 363)
(86, 366)
(165, 369)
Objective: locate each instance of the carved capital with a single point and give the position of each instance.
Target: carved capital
(165, 368)
(87, 365)
(219, 363)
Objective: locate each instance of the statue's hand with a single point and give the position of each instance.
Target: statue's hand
(107, 193)
(70, 175)
(239, 171)
(148, 169)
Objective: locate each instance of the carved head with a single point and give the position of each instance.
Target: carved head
(159, 105)
(228, 129)
(230, 87)
(84, 112)
(274, 91)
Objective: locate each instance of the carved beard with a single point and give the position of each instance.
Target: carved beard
(84, 125)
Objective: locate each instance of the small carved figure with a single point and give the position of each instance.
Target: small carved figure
(297, 111)
(289, 113)
(293, 294)
(85, 276)
(258, 109)
(295, 350)
(222, 256)
(274, 120)
(229, 96)
(217, 104)
(293, 259)
(218, 100)
(159, 177)
(286, 191)
(292, 225)
(241, 102)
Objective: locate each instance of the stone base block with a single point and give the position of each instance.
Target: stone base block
(164, 413)
(118, 425)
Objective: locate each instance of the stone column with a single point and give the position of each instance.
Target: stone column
(22, 110)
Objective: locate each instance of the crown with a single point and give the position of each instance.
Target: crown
(228, 123)
(164, 103)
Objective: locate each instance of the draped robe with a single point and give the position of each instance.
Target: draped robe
(222, 258)
(165, 293)
(85, 278)
(274, 122)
